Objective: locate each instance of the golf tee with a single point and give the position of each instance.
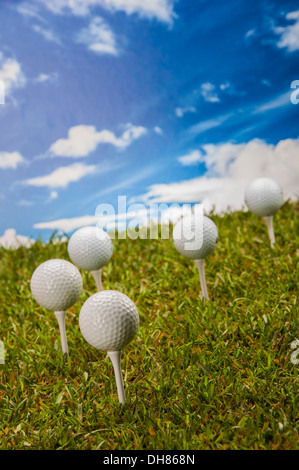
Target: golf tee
(269, 222)
(115, 357)
(97, 275)
(199, 263)
(61, 322)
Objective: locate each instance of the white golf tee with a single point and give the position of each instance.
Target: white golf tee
(199, 263)
(269, 222)
(97, 275)
(61, 322)
(115, 359)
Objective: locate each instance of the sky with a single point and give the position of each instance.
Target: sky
(154, 101)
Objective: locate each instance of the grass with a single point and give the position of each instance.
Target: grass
(198, 375)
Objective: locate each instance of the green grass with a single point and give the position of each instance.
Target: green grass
(198, 375)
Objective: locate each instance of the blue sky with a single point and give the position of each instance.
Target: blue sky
(158, 100)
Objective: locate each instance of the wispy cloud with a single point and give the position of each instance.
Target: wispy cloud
(82, 140)
(47, 34)
(11, 160)
(99, 37)
(62, 176)
(29, 11)
(161, 10)
(180, 112)
(277, 102)
(209, 124)
(289, 35)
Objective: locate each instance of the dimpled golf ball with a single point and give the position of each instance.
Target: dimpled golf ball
(263, 197)
(90, 248)
(56, 284)
(109, 320)
(206, 234)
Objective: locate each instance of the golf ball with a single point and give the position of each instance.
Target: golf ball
(109, 320)
(263, 197)
(90, 248)
(195, 238)
(56, 284)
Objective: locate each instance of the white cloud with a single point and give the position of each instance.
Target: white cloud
(47, 34)
(53, 195)
(208, 92)
(10, 240)
(68, 224)
(230, 167)
(11, 160)
(46, 77)
(98, 37)
(158, 130)
(25, 203)
(62, 176)
(84, 139)
(191, 158)
(277, 102)
(28, 10)
(162, 10)
(209, 124)
(289, 35)
(11, 74)
(180, 112)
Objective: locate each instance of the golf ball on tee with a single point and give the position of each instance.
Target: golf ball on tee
(90, 248)
(195, 238)
(109, 320)
(263, 197)
(56, 284)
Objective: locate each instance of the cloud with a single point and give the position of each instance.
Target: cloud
(180, 112)
(209, 124)
(68, 224)
(83, 140)
(62, 176)
(191, 158)
(277, 102)
(158, 130)
(53, 195)
(10, 240)
(161, 10)
(46, 77)
(47, 34)
(10, 160)
(11, 74)
(25, 203)
(28, 10)
(230, 167)
(289, 35)
(98, 37)
(208, 92)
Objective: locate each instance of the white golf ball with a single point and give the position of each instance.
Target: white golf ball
(195, 238)
(90, 248)
(263, 197)
(56, 284)
(109, 320)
